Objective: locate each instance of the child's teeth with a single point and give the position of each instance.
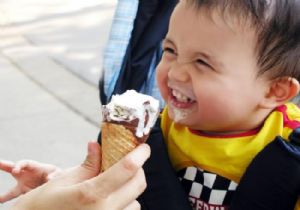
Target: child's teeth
(180, 97)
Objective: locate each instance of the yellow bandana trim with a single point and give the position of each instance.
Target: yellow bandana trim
(227, 157)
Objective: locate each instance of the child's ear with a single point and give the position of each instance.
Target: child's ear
(280, 91)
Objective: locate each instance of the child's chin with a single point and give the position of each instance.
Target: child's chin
(178, 115)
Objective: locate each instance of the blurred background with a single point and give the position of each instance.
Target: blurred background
(50, 64)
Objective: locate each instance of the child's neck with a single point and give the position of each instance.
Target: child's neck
(229, 133)
(249, 129)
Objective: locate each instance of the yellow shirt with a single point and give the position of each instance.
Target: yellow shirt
(210, 166)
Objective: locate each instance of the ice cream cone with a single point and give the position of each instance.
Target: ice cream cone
(127, 122)
(117, 141)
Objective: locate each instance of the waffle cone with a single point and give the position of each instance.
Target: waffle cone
(117, 141)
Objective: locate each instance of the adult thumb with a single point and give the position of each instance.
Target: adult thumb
(92, 163)
(87, 170)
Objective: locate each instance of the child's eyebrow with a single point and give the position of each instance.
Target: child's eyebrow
(207, 56)
(167, 40)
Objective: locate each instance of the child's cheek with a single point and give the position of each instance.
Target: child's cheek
(162, 80)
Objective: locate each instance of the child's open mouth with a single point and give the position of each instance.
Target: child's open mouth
(180, 100)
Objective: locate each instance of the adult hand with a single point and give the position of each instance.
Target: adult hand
(82, 188)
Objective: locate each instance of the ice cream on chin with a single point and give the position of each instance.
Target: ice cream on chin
(127, 122)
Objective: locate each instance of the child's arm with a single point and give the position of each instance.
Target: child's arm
(28, 174)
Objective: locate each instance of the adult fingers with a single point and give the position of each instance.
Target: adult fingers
(135, 205)
(6, 166)
(56, 173)
(13, 193)
(116, 176)
(130, 190)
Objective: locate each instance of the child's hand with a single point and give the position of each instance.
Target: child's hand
(28, 174)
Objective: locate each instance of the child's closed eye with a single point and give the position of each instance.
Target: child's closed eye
(203, 63)
(169, 50)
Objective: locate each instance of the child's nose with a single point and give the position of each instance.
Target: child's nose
(179, 71)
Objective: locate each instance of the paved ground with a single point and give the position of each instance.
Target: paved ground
(50, 62)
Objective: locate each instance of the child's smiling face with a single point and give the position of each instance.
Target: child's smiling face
(208, 72)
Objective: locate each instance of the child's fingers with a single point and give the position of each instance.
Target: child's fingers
(34, 166)
(23, 165)
(13, 193)
(6, 166)
(29, 165)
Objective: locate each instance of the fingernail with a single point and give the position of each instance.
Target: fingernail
(90, 149)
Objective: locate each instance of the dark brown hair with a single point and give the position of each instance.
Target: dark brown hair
(277, 24)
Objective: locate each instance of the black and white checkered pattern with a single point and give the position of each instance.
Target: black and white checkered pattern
(207, 187)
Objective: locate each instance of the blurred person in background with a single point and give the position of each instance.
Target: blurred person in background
(134, 48)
